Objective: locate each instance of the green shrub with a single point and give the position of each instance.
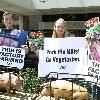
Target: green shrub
(31, 82)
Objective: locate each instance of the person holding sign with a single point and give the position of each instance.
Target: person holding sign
(12, 37)
(60, 29)
(11, 54)
(93, 49)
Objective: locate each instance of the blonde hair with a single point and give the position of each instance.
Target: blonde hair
(6, 13)
(66, 33)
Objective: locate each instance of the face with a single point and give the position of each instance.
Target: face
(8, 21)
(60, 29)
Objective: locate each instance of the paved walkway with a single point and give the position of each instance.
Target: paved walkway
(17, 96)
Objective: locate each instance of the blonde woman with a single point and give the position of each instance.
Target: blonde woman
(60, 29)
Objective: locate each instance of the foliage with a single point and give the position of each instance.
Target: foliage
(89, 86)
(31, 81)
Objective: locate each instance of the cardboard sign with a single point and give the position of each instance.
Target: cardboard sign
(12, 57)
(60, 55)
(93, 70)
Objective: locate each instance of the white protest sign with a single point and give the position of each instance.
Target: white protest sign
(60, 55)
(93, 69)
(12, 57)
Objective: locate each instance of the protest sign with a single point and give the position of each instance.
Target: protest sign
(93, 70)
(60, 55)
(12, 57)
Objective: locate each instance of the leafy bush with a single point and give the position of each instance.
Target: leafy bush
(31, 82)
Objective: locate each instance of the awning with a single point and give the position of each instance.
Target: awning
(35, 7)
